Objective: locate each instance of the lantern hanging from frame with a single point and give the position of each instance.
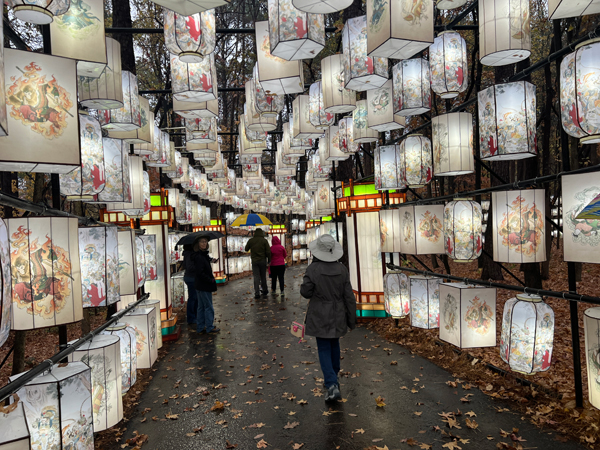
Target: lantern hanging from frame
(128, 345)
(16, 435)
(191, 110)
(360, 124)
(527, 337)
(207, 159)
(46, 276)
(5, 283)
(294, 34)
(143, 321)
(40, 12)
(106, 90)
(452, 138)
(296, 255)
(103, 355)
(117, 172)
(467, 315)
(302, 128)
(415, 161)
(321, 6)
(386, 168)
(507, 121)
(129, 116)
(396, 295)
(140, 206)
(448, 65)
(412, 87)
(462, 230)
(155, 304)
(3, 114)
(127, 262)
(504, 32)
(152, 147)
(361, 72)
(141, 135)
(190, 37)
(175, 169)
(579, 80)
(562, 9)
(178, 290)
(201, 131)
(390, 230)
(449, 4)
(424, 301)
(294, 147)
(519, 221)
(336, 98)
(347, 143)
(253, 119)
(194, 82)
(332, 145)
(269, 105)
(380, 109)
(325, 201)
(421, 229)
(189, 7)
(591, 323)
(149, 244)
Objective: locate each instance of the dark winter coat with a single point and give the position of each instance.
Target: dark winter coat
(188, 264)
(332, 306)
(259, 247)
(204, 280)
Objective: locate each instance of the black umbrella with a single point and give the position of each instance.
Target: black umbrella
(192, 237)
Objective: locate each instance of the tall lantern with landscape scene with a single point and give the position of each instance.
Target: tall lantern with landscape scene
(129, 116)
(448, 64)
(412, 87)
(415, 161)
(194, 82)
(396, 295)
(452, 136)
(360, 124)
(190, 37)
(381, 109)
(424, 301)
(462, 230)
(336, 98)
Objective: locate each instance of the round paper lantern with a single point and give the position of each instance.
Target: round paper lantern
(128, 345)
(194, 82)
(15, 435)
(381, 109)
(396, 295)
(449, 4)
(579, 80)
(386, 168)
(321, 6)
(507, 121)
(504, 32)
(415, 161)
(269, 105)
(527, 334)
(452, 136)
(462, 230)
(360, 124)
(560, 9)
(40, 12)
(347, 143)
(336, 98)
(191, 37)
(591, 322)
(318, 117)
(143, 321)
(412, 87)
(424, 301)
(448, 64)
(103, 355)
(201, 130)
(152, 303)
(129, 116)
(294, 34)
(105, 91)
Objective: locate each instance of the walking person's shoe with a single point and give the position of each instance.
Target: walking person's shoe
(214, 330)
(256, 296)
(333, 393)
(282, 294)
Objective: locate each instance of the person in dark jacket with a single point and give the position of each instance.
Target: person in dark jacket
(332, 307)
(188, 279)
(278, 255)
(260, 253)
(205, 284)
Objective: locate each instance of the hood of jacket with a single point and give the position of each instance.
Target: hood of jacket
(276, 241)
(259, 232)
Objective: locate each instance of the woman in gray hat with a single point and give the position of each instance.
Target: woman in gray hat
(332, 307)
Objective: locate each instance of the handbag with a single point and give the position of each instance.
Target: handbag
(297, 328)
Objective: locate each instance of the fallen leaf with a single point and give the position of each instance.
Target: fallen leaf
(471, 424)
(217, 406)
(298, 446)
(360, 431)
(471, 414)
(172, 416)
(452, 445)
(425, 446)
(291, 425)
(261, 444)
(228, 445)
(418, 413)
(380, 401)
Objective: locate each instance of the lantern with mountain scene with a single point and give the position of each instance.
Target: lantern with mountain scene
(190, 38)
(452, 136)
(415, 161)
(462, 230)
(448, 64)
(424, 301)
(412, 87)
(396, 295)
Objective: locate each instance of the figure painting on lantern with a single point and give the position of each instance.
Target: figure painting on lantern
(522, 227)
(79, 21)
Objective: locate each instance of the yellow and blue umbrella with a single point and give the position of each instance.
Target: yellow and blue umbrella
(591, 211)
(251, 220)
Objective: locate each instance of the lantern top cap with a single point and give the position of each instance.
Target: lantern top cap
(529, 298)
(447, 32)
(413, 135)
(117, 327)
(588, 42)
(462, 199)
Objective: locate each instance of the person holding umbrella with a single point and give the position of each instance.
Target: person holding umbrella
(205, 284)
(260, 252)
(189, 279)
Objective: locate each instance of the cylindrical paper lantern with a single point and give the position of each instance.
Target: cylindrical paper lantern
(412, 87)
(268, 105)
(46, 275)
(40, 12)
(467, 315)
(295, 240)
(15, 429)
(448, 64)
(396, 295)
(106, 91)
(129, 116)
(302, 254)
(561, 9)
(504, 31)
(347, 143)
(462, 230)
(253, 119)
(301, 225)
(117, 172)
(153, 303)
(360, 124)
(103, 355)
(143, 321)
(336, 98)
(424, 301)
(449, 4)
(318, 117)
(190, 37)
(415, 161)
(194, 82)
(321, 6)
(128, 345)
(381, 109)
(302, 128)
(127, 262)
(519, 226)
(452, 136)
(527, 335)
(386, 168)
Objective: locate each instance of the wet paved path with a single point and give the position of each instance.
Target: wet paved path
(269, 395)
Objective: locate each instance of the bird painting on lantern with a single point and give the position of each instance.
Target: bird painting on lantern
(522, 227)
(430, 227)
(584, 231)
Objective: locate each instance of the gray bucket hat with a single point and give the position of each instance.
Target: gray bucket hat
(326, 248)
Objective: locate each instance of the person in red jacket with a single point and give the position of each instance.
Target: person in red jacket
(278, 255)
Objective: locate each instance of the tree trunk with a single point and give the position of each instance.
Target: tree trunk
(122, 18)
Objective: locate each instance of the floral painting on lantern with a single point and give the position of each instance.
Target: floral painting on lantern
(149, 242)
(359, 118)
(396, 297)
(128, 357)
(441, 150)
(411, 85)
(522, 227)
(448, 65)
(141, 340)
(356, 61)
(140, 262)
(430, 227)
(425, 302)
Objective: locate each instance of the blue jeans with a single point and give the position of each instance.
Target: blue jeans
(192, 302)
(205, 315)
(329, 357)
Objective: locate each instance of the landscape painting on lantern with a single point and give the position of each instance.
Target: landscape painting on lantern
(425, 302)
(5, 285)
(116, 167)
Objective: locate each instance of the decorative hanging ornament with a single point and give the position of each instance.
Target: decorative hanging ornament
(318, 117)
(412, 87)
(302, 128)
(462, 230)
(336, 98)
(191, 110)
(194, 82)
(381, 109)
(141, 135)
(425, 301)
(192, 37)
(413, 230)
(415, 161)
(40, 12)
(448, 64)
(452, 136)
(128, 117)
(105, 90)
(360, 124)
(254, 120)
(387, 176)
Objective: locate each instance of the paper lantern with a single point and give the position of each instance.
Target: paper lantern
(200, 131)
(103, 90)
(178, 290)
(325, 204)
(152, 147)
(189, 7)
(302, 128)
(591, 318)
(140, 198)
(360, 124)
(143, 321)
(302, 239)
(190, 37)
(253, 119)
(399, 29)
(58, 407)
(128, 346)
(294, 224)
(129, 116)
(321, 6)
(294, 147)
(332, 148)
(380, 109)
(448, 64)
(504, 32)
(194, 82)
(561, 9)
(386, 168)
(117, 172)
(46, 276)
(295, 255)
(527, 335)
(317, 115)
(16, 435)
(462, 230)
(5, 285)
(346, 130)
(191, 110)
(156, 304)
(89, 179)
(421, 229)
(3, 115)
(336, 98)
(449, 4)
(452, 136)
(415, 161)
(294, 34)
(295, 240)
(276, 75)
(40, 12)
(412, 88)
(361, 72)
(269, 105)
(174, 170)
(578, 83)
(396, 295)
(303, 254)
(424, 301)
(103, 355)
(149, 244)
(507, 123)
(127, 262)
(467, 315)
(142, 135)
(99, 258)
(519, 226)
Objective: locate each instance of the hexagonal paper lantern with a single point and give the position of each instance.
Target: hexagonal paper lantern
(399, 29)
(5, 285)
(561, 9)
(201, 131)
(137, 190)
(153, 303)
(424, 301)
(106, 90)
(412, 87)
(578, 82)
(194, 82)
(347, 142)
(142, 135)
(396, 295)
(46, 275)
(325, 203)
(189, 7)
(294, 147)
(190, 37)
(421, 229)
(527, 337)
(302, 128)
(117, 172)
(591, 322)
(149, 244)
(152, 147)
(129, 116)
(269, 105)
(40, 12)
(448, 64)
(452, 136)
(175, 169)
(103, 355)
(143, 321)
(507, 121)
(467, 315)
(16, 435)
(449, 4)
(360, 125)
(380, 107)
(294, 34)
(336, 98)
(191, 110)
(519, 226)
(415, 161)
(58, 407)
(128, 345)
(504, 32)
(253, 119)
(361, 72)
(462, 230)
(386, 168)
(332, 147)
(127, 262)
(321, 6)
